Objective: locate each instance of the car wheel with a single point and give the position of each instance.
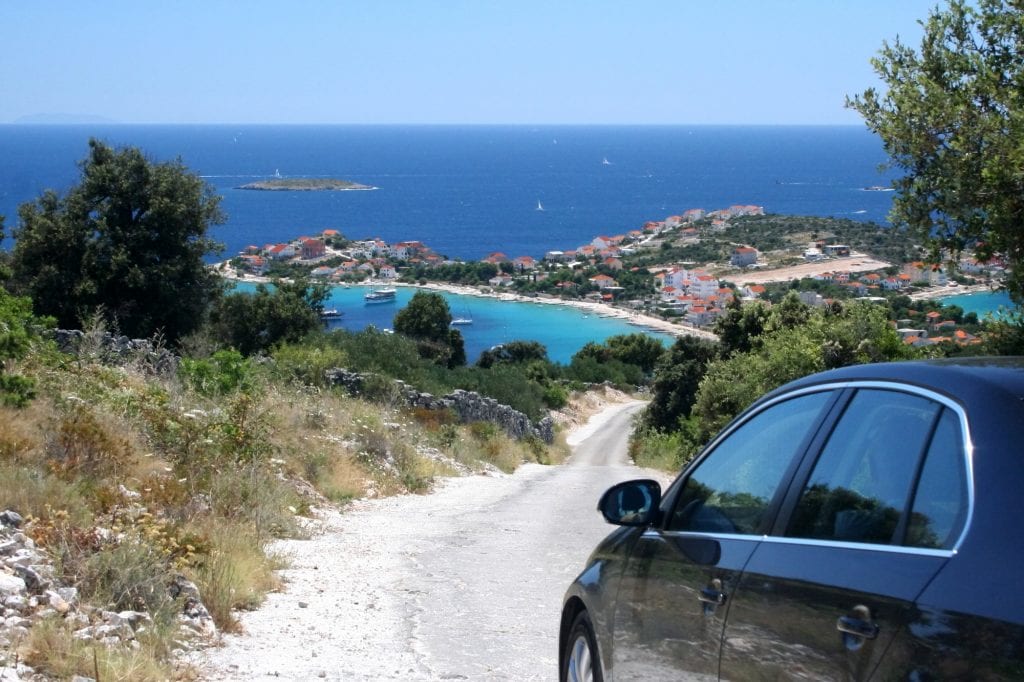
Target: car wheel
(581, 662)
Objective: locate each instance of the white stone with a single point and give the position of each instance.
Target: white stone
(11, 585)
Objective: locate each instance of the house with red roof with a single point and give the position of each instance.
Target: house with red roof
(612, 263)
(496, 258)
(603, 281)
(743, 256)
(752, 291)
(281, 252)
(311, 248)
(524, 263)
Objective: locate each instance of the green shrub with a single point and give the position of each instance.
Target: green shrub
(555, 397)
(226, 371)
(307, 364)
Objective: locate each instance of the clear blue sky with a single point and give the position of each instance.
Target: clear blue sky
(446, 61)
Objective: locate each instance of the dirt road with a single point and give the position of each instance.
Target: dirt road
(465, 583)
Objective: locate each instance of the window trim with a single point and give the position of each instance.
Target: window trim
(822, 425)
(797, 481)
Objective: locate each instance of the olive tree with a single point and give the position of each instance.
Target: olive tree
(426, 320)
(128, 241)
(952, 119)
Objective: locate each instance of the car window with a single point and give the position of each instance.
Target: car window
(861, 482)
(730, 490)
(940, 502)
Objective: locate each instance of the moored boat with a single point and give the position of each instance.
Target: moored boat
(383, 295)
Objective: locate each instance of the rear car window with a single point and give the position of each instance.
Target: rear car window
(888, 448)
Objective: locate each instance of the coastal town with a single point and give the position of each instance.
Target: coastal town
(621, 275)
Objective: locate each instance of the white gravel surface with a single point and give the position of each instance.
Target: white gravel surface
(464, 583)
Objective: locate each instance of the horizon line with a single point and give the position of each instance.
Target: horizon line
(56, 124)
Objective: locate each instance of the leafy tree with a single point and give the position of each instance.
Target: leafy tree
(128, 240)
(740, 326)
(952, 119)
(256, 322)
(17, 330)
(677, 378)
(427, 319)
(636, 349)
(514, 352)
(630, 349)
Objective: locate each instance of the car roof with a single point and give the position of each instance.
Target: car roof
(964, 379)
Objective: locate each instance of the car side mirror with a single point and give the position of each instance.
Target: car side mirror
(631, 503)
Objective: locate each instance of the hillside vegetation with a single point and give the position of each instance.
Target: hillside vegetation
(128, 475)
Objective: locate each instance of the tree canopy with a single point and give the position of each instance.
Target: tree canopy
(127, 241)
(952, 119)
(256, 322)
(426, 319)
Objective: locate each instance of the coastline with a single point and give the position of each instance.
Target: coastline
(939, 293)
(639, 320)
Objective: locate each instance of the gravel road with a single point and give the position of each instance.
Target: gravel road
(463, 584)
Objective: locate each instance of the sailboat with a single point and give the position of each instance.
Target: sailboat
(540, 206)
(605, 162)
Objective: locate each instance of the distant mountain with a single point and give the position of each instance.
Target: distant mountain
(61, 119)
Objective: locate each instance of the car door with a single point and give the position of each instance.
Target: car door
(826, 595)
(674, 591)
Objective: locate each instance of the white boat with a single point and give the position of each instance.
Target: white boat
(605, 162)
(462, 320)
(540, 207)
(330, 314)
(383, 295)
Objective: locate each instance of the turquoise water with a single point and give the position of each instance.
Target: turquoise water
(981, 303)
(562, 329)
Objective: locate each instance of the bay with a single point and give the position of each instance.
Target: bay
(467, 191)
(983, 303)
(562, 329)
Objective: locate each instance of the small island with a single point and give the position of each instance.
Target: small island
(304, 185)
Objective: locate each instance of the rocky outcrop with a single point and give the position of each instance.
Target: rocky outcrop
(468, 405)
(29, 593)
(118, 350)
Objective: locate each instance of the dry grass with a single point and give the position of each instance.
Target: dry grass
(218, 479)
(51, 649)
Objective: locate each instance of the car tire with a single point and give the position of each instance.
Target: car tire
(581, 661)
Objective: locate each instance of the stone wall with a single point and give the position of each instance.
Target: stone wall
(468, 405)
(117, 350)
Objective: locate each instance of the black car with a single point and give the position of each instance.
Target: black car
(861, 523)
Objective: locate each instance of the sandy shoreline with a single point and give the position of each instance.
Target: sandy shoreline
(947, 291)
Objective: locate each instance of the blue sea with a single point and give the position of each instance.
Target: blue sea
(467, 191)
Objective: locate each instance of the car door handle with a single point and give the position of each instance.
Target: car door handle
(711, 595)
(858, 627)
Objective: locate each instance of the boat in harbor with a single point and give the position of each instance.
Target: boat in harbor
(382, 295)
(462, 320)
(330, 314)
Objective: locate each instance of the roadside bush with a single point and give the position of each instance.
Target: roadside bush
(555, 397)
(663, 451)
(307, 364)
(86, 443)
(226, 371)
